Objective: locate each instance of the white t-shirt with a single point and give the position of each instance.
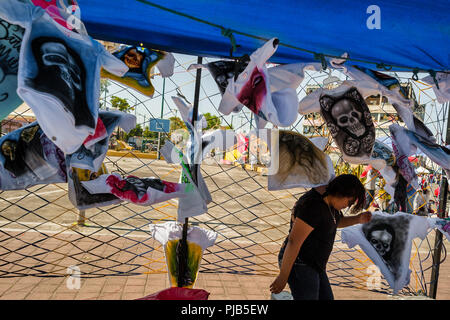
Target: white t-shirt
(59, 74)
(141, 191)
(198, 239)
(163, 232)
(387, 241)
(252, 89)
(297, 162)
(443, 79)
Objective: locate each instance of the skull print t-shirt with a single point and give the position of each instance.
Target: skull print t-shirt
(59, 74)
(350, 123)
(387, 241)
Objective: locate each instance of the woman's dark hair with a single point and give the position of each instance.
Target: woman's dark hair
(348, 185)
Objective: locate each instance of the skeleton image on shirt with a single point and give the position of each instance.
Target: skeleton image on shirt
(61, 73)
(350, 123)
(382, 238)
(388, 236)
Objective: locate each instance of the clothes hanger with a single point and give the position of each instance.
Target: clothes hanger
(331, 79)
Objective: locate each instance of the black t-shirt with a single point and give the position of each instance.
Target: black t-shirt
(317, 247)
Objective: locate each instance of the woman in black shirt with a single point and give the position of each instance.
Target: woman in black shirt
(315, 218)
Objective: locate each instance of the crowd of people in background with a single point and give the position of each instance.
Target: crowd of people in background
(424, 201)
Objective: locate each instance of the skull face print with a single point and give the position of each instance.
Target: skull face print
(346, 116)
(381, 240)
(133, 59)
(55, 54)
(349, 121)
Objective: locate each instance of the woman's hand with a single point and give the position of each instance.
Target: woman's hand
(365, 217)
(278, 285)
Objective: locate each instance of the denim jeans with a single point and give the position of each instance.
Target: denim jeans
(306, 283)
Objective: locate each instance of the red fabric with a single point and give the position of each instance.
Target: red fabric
(99, 134)
(117, 186)
(177, 293)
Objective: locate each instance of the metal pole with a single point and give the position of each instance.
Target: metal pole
(162, 112)
(182, 257)
(81, 218)
(443, 194)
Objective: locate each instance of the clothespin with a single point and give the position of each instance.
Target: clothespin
(433, 75)
(383, 66)
(415, 76)
(229, 34)
(321, 58)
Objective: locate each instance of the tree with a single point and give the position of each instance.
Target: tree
(136, 132)
(176, 123)
(122, 105)
(213, 122)
(104, 84)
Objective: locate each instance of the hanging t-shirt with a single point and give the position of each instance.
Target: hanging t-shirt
(87, 162)
(299, 162)
(140, 62)
(402, 150)
(252, 89)
(223, 70)
(350, 123)
(80, 197)
(443, 92)
(407, 143)
(141, 191)
(391, 88)
(59, 74)
(28, 158)
(387, 241)
(91, 154)
(10, 40)
(443, 225)
(280, 77)
(383, 160)
(198, 239)
(59, 11)
(196, 203)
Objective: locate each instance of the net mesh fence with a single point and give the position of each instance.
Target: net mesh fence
(42, 234)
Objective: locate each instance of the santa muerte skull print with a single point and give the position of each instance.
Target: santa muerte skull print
(381, 241)
(349, 121)
(347, 116)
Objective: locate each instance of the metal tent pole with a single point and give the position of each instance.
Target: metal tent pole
(162, 114)
(182, 255)
(441, 214)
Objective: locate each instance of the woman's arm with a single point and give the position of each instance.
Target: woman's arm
(299, 232)
(363, 217)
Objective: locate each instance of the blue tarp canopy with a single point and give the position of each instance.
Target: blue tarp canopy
(412, 33)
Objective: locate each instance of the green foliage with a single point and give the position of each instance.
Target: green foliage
(121, 104)
(213, 122)
(176, 123)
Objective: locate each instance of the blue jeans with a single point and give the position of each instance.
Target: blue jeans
(306, 283)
